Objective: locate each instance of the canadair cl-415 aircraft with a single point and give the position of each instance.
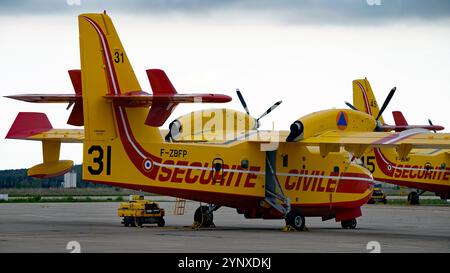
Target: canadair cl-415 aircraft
(422, 169)
(226, 161)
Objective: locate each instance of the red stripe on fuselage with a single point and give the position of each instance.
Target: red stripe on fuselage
(241, 201)
(349, 185)
(437, 188)
(366, 100)
(132, 147)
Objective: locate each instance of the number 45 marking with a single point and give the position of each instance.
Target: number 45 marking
(368, 161)
(97, 167)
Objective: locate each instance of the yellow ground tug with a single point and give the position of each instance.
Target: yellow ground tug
(378, 195)
(138, 211)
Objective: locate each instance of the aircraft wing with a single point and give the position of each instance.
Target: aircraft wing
(62, 135)
(418, 138)
(36, 126)
(358, 142)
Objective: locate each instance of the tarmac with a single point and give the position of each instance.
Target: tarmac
(49, 227)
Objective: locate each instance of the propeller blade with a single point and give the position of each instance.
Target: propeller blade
(275, 105)
(241, 98)
(386, 102)
(431, 123)
(351, 106)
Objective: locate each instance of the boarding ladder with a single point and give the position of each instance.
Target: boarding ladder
(180, 205)
(274, 195)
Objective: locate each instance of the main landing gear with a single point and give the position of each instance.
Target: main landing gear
(295, 220)
(203, 216)
(349, 224)
(414, 197)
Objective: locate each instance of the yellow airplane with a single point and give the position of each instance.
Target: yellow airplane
(217, 157)
(422, 169)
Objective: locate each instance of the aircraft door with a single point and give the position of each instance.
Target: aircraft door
(270, 163)
(217, 167)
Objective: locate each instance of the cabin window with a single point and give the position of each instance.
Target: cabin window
(336, 169)
(217, 166)
(285, 160)
(244, 164)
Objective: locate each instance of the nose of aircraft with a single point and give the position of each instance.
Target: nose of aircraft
(356, 183)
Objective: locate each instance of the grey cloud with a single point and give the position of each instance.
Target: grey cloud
(292, 11)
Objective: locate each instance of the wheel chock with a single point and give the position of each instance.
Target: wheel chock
(289, 228)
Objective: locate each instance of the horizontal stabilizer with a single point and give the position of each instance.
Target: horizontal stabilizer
(401, 124)
(46, 98)
(400, 128)
(142, 99)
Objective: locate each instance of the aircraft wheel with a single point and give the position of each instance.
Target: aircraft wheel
(413, 198)
(385, 201)
(126, 221)
(205, 220)
(133, 222)
(349, 224)
(161, 222)
(295, 220)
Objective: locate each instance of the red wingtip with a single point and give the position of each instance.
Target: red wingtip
(28, 124)
(159, 82)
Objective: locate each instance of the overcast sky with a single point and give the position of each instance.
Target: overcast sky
(305, 53)
(294, 11)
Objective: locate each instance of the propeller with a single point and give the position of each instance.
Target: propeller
(244, 104)
(241, 98)
(351, 106)
(386, 102)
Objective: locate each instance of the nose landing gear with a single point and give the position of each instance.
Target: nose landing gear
(349, 224)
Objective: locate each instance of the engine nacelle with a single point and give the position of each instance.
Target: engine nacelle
(331, 120)
(192, 126)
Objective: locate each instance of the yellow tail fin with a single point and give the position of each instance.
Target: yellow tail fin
(364, 99)
(106, 69)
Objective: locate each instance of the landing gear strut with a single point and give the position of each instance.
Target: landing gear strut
(349, 224)
(295, 220)
(203, 216)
